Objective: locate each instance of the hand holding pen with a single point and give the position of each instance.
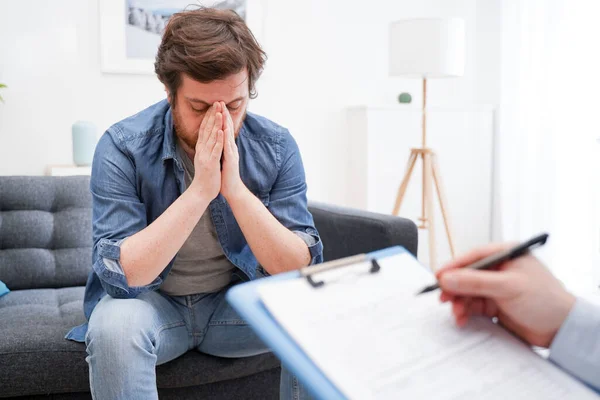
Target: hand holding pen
(520, 291)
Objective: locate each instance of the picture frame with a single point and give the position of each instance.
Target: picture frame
(114, 29)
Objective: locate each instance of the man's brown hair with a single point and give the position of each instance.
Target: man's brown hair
(207, 44)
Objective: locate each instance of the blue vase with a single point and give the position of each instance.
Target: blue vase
(84, 142)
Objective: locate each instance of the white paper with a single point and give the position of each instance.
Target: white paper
(374, 339)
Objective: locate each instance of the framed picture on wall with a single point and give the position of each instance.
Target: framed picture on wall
(131, 30)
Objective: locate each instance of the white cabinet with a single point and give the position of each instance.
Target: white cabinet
(380, 139)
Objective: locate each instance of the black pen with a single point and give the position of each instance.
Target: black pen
(496, 259)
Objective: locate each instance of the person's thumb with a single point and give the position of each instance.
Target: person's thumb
(468, 282)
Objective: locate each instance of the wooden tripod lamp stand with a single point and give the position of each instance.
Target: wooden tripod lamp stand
(427, 48)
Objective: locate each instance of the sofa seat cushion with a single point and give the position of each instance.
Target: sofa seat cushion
(36, 359)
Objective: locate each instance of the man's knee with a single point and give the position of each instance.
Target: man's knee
(117, 322)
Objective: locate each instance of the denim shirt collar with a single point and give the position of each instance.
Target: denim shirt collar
(168, 150)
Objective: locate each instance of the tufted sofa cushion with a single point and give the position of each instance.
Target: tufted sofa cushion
(35, 358)
(45, 231)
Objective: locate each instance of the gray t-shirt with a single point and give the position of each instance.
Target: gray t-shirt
(200, 265)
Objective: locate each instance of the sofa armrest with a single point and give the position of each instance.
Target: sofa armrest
(346, 232)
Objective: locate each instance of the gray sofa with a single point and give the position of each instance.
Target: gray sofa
(45, 258)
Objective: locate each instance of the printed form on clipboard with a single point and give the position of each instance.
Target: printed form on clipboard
(374, 339)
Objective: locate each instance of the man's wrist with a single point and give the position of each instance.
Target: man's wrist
(239, 195)
(198, 193)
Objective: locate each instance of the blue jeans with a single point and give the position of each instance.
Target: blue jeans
(127, 338)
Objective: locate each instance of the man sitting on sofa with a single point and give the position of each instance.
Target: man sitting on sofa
(189, 197)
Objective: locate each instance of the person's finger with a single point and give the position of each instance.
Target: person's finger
(226, 138)
(218, 123)
(213, 135)
(218, 147)
(228, 118)
(445, 297)
(231, 138)
(210, 123)
(462, 320)
(227, 123)
(473, 256)
(225, 145)
(460, 310)
(212, 139)
(230, 147)
(202, 136)
(468, 282)
(459, 306)
(477, 306)
(220, 109)
(490, 308)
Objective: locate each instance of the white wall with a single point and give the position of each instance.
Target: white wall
(328, 55)
(323, 57)
(49, 58)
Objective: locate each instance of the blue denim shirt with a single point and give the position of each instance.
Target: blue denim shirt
(137, 175)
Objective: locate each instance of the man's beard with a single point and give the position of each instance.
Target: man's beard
(190, 138)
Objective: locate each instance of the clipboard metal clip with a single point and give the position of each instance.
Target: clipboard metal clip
(308, 272)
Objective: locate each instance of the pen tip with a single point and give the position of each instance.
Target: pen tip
(428, 289)
(423, 291)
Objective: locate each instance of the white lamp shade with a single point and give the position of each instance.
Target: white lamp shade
(427, 48)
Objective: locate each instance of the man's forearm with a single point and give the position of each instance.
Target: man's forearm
(145, 254)
(276, 248)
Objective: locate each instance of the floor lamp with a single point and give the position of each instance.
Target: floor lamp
(427, 48)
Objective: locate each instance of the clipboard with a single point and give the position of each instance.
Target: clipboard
(244, 298)
(432, 344)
